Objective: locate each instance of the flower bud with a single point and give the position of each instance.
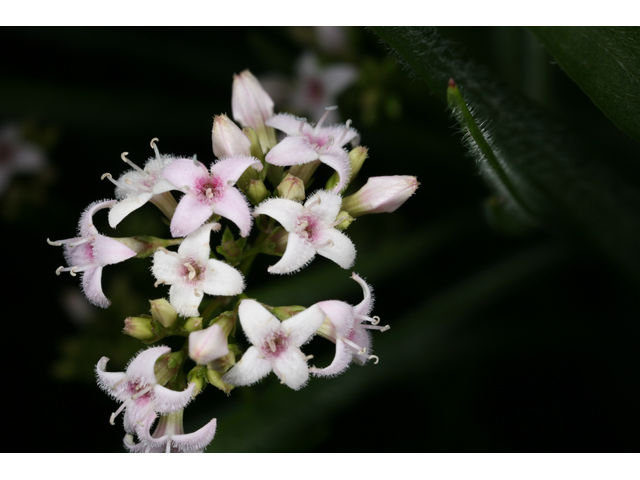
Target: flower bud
(140, 328)
(257, 192)
(197, 376)
(292, 188)
(215, 379)
(193, 324)
(252, 106)
(345, 220)
(163, 313)
(380, 194)
(207, 345)
(228, 139)
(168, 366)
(305, 171)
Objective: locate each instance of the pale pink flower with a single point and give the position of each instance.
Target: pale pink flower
(228, 139)
(381, 194)
(208, 192)
(252, 106)
(207, 345)
(138, 186)
(305, 143)
(311, 230)
(139, 391)
(348, 327)
(169, 436)
(191, 272)
(89, 252)
(276, 345)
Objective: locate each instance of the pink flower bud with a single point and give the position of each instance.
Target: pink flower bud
(380, 194)
(228, 139)
(207, 345)
(252, 106)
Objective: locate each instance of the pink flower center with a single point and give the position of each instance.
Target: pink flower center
(275, 345)
(209, 189)
(307, 227)
(191, 271)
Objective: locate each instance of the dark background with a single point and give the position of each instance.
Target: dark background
(497, 342)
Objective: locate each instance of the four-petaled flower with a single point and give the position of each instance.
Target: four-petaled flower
(311, 230)
(348, 327)
(190, 272)
(306, 143)
(276, 345)
(169, 436)
(208, 192)
(90, 251)
(138, 390)
(141, 185)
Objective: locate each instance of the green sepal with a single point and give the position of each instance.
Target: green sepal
(230, 248)
(285, 313)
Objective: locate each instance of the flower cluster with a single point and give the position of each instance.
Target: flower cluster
(289, 224)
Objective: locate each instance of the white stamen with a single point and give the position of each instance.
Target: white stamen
(344, 134)
(115, 414)
(168, 252)
(59, 270)
(326, 113)
(371, 357)
(129, 162)
(159, 282)
(363, 318)
(155, 148)
(302, 122)
(139, 185)
(55, 244)
(142, 392)
(308, 357)
(316, 201)
(81, 241)
(209, 193)
(196, 292)
(108, 175)
(192, 271)
(272, 345)
(358, 348)
(73, 270)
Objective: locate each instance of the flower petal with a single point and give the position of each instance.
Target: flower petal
(366, 305)
(338, 159)
(302, 326)
(184, 299)
(343, 251)
(141, 368)
(124, 207)
(190, 214)
(257, 322)
(294, 150)
(299, 253)
(92, 287)
(110, 381)
(286, 212)
(184, 172)
(340, 314)
(166, 267)
(327, 205)
(340, 362)
(108, 251)
(196, 246)
(285, 122)
(230, 169)
(167, 401)
(291, 368)
(196, 441)
(222, 279)
(233, 206)
(85, 226)
(361, 336)
(251, 368)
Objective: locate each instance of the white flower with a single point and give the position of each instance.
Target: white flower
(208, 344)
(311, 230)
(90, 251)
(275, 345)
(347, 327)
(139, 391)
(190, 272)
(136, 187)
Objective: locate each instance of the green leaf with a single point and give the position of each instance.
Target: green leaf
(605, 63)
(553, 171)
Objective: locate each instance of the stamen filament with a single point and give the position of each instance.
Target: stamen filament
(110, 178)
(155, 148)
(117, 412)
(344, 134)
(326, 113)
(355, 346)
(129, 162)
(371, 357)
